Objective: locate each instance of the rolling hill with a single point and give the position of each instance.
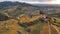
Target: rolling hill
(23, 18)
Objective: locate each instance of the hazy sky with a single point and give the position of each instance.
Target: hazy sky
(36, 1)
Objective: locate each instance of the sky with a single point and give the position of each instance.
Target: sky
(36, 1)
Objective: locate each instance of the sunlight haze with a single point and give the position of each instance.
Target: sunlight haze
(36, 1)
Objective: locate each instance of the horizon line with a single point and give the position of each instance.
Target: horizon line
(26, 2)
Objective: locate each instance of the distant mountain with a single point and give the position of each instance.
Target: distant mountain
(9, 3)
(48, 5)
(14, 9)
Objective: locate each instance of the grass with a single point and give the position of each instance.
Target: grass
(37, 28)
(55, 29)
(58, 28)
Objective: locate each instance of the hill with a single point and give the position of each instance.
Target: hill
(8, 3)
(23, 18)
(16, 8)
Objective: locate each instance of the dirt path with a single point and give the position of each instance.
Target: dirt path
(45, 29)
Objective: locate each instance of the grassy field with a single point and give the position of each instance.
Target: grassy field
(37, 28)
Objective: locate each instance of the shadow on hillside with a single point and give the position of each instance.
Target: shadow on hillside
(3, 17)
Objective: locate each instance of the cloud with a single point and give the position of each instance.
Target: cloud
(46, 2)
(38, 0)
(28, 0)
(33, 1)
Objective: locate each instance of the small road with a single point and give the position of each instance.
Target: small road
(45, 29)
(48, 29)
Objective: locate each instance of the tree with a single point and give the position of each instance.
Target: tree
(41, 12)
